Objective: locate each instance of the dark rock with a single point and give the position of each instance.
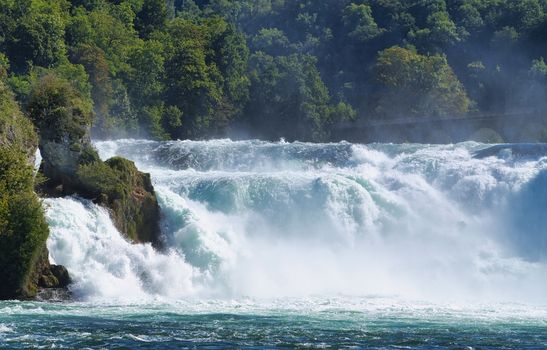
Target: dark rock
(61, 273)
(47, 276)
(54, 295)
(48, 281)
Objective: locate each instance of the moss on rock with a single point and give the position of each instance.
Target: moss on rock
(118, 185)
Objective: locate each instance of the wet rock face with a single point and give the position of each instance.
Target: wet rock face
(137, 213)
(116, 184)
(56, 276)
(61, 273)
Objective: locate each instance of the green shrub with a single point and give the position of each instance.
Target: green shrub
(23, 228)
(16, 175)
(59, 110)
(15, 128)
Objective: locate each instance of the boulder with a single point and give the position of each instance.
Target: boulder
(50, 276)
(118, 185)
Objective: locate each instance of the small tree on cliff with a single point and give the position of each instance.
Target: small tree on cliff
(59, 111)
(410, 84)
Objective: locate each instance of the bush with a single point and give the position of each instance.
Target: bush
(410, 84)
(15, 129)
(59, 110)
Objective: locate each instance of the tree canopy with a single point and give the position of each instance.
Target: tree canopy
(275, 68)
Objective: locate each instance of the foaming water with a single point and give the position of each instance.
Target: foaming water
(103, 265)
(288, 323)
(262, 220)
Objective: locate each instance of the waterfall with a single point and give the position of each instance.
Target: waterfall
(263, 219)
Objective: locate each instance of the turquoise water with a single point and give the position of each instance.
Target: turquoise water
(299, 245)
(322, 323)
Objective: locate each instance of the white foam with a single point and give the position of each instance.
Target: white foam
(103, 264)
(5, 329)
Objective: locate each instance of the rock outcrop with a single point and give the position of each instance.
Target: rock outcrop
(128, 193)
(47, 275)
(72, 166)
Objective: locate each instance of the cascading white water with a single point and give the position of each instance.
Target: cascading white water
(261, 219)
(104, 265)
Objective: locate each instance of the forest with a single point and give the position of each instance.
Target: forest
(269, 69)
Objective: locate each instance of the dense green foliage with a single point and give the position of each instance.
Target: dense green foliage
(58, 110)
(272, 68)
(15, 129)
(23, 229)
(417, 85)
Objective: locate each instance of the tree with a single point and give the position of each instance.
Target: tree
(272, 41)
(289, 99)
(205, 75)
(151, 17)
(37, 36)
(441, 32)
(231, 56)
(360, 22)
(190, 81)
(145, 87)
(96, 65)
(410, 84)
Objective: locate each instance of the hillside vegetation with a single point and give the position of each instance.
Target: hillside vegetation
(277, 68)
(24, 262)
